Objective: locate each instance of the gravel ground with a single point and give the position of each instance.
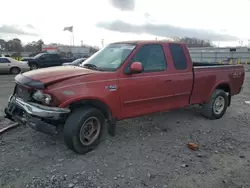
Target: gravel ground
(149, 152)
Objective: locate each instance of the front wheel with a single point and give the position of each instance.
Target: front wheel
(33, 66)
(15, 70)
(83, 129)
(217, 105)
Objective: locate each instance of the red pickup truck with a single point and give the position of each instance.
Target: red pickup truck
(122, 80)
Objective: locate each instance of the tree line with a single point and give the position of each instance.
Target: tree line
(194, 42)
(15, 45)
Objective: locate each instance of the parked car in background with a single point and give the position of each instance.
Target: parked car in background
(77, 62)
(47, 60)
(4, 55)
(26, 58)
(10, 65)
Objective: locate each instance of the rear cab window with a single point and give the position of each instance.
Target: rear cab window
(54, 56)
(178, 56)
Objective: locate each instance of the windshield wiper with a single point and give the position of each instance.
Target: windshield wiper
(90, 66)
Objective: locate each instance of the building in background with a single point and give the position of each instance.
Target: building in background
(216, 54)
(67, 51)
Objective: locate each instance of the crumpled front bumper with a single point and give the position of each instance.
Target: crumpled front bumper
(33, 114)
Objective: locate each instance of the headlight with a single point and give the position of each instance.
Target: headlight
(42, 97)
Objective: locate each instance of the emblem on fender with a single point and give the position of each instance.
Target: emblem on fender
(111, 87)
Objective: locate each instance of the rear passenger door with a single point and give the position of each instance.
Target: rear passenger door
(149, 91)
(44, 60)
(55, 60)
(49, 60)
(182, 77)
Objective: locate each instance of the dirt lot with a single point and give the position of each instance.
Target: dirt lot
(147, 152)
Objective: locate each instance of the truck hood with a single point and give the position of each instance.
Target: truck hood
(55, 74)
(27, 58)
(67, 63)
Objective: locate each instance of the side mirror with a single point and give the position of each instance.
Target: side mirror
(136, 67)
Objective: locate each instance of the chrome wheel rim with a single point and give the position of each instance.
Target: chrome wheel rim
(219, 105)
(90, 131)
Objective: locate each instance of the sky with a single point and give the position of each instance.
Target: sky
(222, 21)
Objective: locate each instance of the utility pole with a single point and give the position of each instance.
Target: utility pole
(240, 42)
(102, 42)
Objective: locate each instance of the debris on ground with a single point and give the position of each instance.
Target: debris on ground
(247, 102)
(193, 146)
(6, 125)
(184, 165)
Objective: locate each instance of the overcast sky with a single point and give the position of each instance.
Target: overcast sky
(114, 20)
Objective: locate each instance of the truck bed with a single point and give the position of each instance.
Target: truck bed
(208, 76)
(199, 64)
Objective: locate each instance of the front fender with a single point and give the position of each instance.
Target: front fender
(80, 98)
(113, 108)
(33, 62)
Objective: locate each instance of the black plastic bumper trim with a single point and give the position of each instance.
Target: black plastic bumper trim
(26, 81)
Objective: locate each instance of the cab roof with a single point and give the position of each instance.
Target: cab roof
(136, 42)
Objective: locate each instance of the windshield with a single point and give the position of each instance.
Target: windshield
(38, 55)
(110, 57)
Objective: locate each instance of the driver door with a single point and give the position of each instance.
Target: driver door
(148, 91)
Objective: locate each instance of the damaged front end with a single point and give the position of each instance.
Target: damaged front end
(25, 107)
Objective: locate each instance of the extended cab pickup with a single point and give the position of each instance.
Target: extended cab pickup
(46, 60)
(123, 80)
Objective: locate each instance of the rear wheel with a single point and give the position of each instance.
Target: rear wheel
(15, 70)
(83, 129)
(217, 105)
(33, 66)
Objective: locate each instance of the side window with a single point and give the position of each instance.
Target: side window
(152, 58)
(4, 60)
(178, 55)
(44, 56)
(54, 56)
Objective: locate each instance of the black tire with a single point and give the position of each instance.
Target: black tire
(8, 115)
(75, 123)
(15, 70)
(209, 109)
(33, 66)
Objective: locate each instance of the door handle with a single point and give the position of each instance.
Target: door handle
(166, 81)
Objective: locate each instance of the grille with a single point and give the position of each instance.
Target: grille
(22, 92)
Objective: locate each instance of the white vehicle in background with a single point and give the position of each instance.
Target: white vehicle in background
(10, 65)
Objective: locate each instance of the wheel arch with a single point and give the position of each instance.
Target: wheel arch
(33, 63)
(97, 103)
(15, 67)
(225, 87)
